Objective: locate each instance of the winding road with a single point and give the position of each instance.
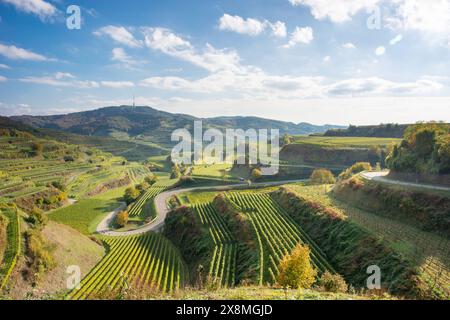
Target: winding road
(381, 177)
(162, 208)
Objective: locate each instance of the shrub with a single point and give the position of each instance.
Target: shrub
(296, 270)
(256, 174)
(354, 169)
(322, 176)
(151, 180)
(332, 282)
(122, 219)
(37, 218)
(37, 148)
(39, 253)
(131, 194)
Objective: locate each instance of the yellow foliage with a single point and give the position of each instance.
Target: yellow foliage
(296, 270)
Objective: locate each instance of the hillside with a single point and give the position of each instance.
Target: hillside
(149, 124)
(380, 131)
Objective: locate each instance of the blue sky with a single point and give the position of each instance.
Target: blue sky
(334, 61)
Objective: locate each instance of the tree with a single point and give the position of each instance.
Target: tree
(176, 173)
(286, 139)
(256, 174)
(296, 270)
(37, 148)
(322, 176)
(131, 194)
(122, 219)
(151, 180)
(354, 169)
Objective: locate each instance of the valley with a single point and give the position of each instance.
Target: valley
(140, 226)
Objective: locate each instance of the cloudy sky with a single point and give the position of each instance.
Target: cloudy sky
(320, 61)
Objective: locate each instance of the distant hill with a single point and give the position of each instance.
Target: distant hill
(379, 131)
(153, 125)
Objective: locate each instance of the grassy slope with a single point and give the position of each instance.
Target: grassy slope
(351, 142)
(427, 250)
(69, 248)
(265, 293)
(86, 214)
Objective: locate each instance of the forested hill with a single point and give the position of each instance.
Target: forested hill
(153, 124)
(379, 131)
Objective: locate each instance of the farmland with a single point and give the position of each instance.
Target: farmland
(13, 245)
(142, 261)
(276, 234)
(223, 262)
(429, 252)
(349, 142)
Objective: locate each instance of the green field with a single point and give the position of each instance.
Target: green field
(84, 215)
(352, 142)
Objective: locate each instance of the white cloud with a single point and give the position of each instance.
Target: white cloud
(4, 66)
(279, 29)
(337, 11)
(251, 26)
(40, 8)
(237, 24)
(120, 35)
(378, 87)
(64, 79)
(209, 58)
(300, 35)
(119, 55)
(349, 45)
(396, 40)
(8, 110)
(63, 75)
(117, 84)
(15, 53)
(327, 59)
(380, 51)
(61, 79)
(3, 79)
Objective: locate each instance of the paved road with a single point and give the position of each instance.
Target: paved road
(381, 176)
(162, 208)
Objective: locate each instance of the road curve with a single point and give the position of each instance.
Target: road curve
(381, 177)
(162, 209)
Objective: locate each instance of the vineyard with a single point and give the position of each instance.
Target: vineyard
(13, 246)
(144, 261)
(277, 234)
(430, 252)
(223, 262)
(139, 209)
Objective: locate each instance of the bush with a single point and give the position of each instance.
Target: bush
(151, 180)
(256, 174)
(37, 218)
(122, 219)
(37, 148)
(322, 176)
(354, 169)
(332, 282)
(131, 194)
(296, 270)
(39, 253)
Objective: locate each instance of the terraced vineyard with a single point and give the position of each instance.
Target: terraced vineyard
(276, 232)
(222, 268)
(144, 261)
(137, 209)
(13, 246)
